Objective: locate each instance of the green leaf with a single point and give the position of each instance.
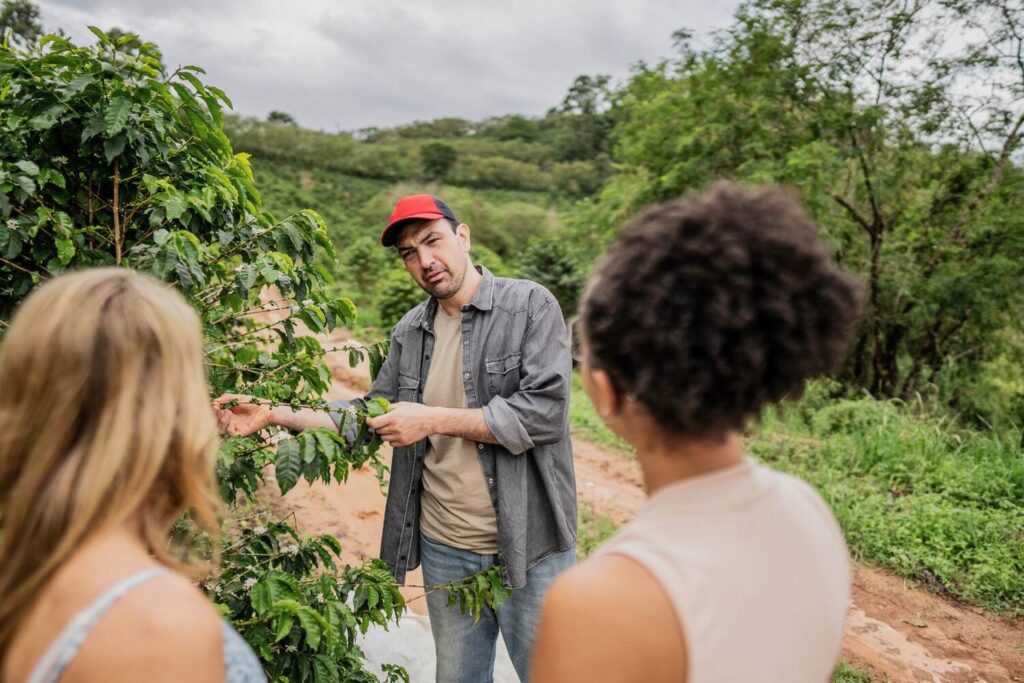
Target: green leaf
(65, 226)
(113, 147)
(116, 115)
(288, 465)
(283, 626)
(78, 84)
(196, 83)
(104, 38)
(270, 590)
(175, 207)
(325, 669)
(376, 407)
(26, 184)
(309, 620)
(247, 276)
(28, 167)
(65, 250)
(219, 94)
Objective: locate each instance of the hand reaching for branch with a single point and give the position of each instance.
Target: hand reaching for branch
(243, 417)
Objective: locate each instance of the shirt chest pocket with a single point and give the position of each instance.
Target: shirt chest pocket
(503, 374)
(408, 388)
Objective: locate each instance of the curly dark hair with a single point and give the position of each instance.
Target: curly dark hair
(707, 308)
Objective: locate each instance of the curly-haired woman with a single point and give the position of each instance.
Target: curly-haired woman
(703, 312)
(106, 438)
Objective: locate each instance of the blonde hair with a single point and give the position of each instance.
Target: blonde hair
(104, 418)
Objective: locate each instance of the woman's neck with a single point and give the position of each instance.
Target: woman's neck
(666, 459)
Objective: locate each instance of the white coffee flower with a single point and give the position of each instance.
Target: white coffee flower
(290, 648)
(249, 583)
(259, 530)
(12, 224)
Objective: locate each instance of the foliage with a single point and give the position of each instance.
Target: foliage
(550, 261)
(299, 610)
(847, 673)
(867, 107)
(438, 159)
(586, 422)
(397, 294)
(915, 493)
(107, 159)
(281, 117)
(594, 530)
(21, 18)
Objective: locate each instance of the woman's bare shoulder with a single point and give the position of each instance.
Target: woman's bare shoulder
(608, 619)
(162, 630)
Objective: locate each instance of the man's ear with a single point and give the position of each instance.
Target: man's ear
(463, 234)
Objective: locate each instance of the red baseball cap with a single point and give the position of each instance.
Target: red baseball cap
(411, 208)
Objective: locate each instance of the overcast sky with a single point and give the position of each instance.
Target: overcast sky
(347, 64)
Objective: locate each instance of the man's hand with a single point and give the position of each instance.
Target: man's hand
(244, 417)
(405, 424)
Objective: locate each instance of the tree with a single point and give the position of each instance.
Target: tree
(107, 159)
(438, 159)
(868, 108)
(21, 18)
(281, 117)
(582, 124)
(550, 261)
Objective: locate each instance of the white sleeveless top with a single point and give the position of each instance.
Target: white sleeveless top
(756, 569)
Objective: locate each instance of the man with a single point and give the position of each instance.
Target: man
(482, 470)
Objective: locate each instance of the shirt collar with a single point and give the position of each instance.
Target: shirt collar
(483, 300)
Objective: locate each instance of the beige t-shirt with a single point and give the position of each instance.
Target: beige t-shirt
(456, 506)
(756, 569)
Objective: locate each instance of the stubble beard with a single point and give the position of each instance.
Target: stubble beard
(446, 289)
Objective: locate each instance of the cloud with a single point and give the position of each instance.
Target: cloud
(346, 64)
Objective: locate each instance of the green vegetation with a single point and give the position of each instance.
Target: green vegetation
(917, 494)
(107, 159)
(594, 530)
(917, 447)
(847, 673)
(929, 499)
(586, 422)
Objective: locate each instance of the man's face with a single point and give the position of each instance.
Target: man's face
(435, 256)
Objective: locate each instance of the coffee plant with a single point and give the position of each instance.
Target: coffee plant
(107, 158)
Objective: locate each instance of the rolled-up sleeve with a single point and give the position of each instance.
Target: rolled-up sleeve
(538, 412)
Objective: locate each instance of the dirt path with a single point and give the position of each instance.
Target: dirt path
(898, 631)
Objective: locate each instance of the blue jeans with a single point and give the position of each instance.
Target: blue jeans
(465, 652)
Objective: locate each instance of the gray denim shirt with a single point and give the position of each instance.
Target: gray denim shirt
(516, 366)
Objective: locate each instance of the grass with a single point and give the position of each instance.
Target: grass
(586, 422)
(847, 673)
(593, 530)
(920, 496)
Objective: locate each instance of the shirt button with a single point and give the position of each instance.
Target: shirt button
(490, 482)
(480, 446)
(466, 342)
(466, 375)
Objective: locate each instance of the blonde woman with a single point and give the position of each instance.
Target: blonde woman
(106, 437)
(704, 311)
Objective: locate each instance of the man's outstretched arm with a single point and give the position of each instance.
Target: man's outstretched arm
(240, 415)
